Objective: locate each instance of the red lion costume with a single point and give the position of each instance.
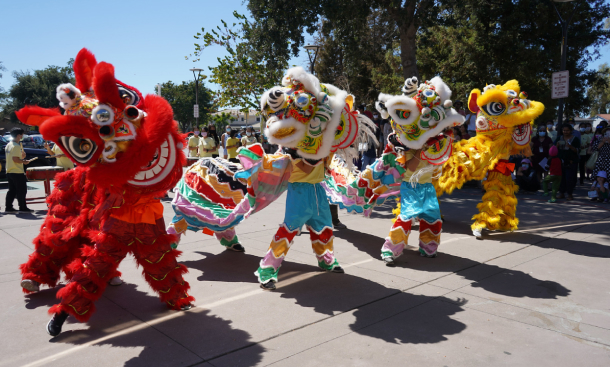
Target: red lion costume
(129, 154)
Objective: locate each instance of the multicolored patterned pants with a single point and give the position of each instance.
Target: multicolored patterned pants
(306, 204)
(416, 202)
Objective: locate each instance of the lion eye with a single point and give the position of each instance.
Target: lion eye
(302, 101)
(102, 115)
(494, 108)
(403, 114)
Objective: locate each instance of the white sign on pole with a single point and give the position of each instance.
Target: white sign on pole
(560, 84)
(196, 111)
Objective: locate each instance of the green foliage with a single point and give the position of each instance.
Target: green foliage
(599, 91)
(493, 42)
(182, 99)
(37, 87)
(221, 120)
(244, 74)
(3, 95)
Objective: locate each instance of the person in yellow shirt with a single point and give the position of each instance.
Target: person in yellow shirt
(15, 173)
(60, 158)
(249, 139)
(207, 145)
(193, 144)
(232, 143)
(306, 203)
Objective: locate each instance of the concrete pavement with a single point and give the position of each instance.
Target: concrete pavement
(536, 297)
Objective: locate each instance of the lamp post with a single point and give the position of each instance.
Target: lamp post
(564, 51)
(312, 62)
(196, 74)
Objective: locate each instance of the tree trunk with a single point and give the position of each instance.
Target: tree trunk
(408, 49)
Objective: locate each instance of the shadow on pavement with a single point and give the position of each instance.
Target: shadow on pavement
(205, 335)
(330, 294)
(508, 282)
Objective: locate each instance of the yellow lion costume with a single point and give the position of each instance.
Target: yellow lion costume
(504, 120)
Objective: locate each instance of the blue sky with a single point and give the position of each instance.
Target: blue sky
(146, 41)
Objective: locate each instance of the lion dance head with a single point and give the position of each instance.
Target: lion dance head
(108, 127)
(420, 116)
(314, 119)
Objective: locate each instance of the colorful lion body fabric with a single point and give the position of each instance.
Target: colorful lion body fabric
(312, 121)
(419, 118)
(129, 154)
(503, 125)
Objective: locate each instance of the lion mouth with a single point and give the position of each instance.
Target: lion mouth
(159, 167)
(284, 132)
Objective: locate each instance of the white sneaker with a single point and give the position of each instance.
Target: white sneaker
(30, 285)
(477, 232)
(115, 281)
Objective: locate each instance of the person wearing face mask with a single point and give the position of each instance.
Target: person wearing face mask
(540, 149)
(602, 146)
(214, 135)
(575, 131)
(207, 145)
(568, 145)
(249, 139)
(550, 130)
(586, 136)
(223, 141)
(526, 177)
(194, 143)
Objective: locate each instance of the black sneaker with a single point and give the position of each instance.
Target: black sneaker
(237, 248)
(389, 261)
(339, 225)
(10, 210)
(55, 324)
(269, 286)
(26, 210)
(338, 270)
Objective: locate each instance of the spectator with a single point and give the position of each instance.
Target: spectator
(600, 185)
(586, 136)
(249, 139)
(540, 149)
(370, 152)
(457, 134)
(568, 146)
(575, 132)
(471, 124)
(361, 110)
(526, 177)
(379, 132)
(60, 158)
(207, 145)
(223, 140)
(459, 107)
(386, 131)
(193, 143)
(554, 176)
(601, 145)
(463, 132)
(15, 174)
(550, 127)
(232, 145)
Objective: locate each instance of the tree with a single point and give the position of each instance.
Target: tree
(599, 91)
(492, 42)
(182, 99)
(282, 23)
(37, 87)
(243, 74)
(221, 121)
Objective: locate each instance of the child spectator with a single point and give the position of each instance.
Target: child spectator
(601, 187)
(554, 176)
(526, 177)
